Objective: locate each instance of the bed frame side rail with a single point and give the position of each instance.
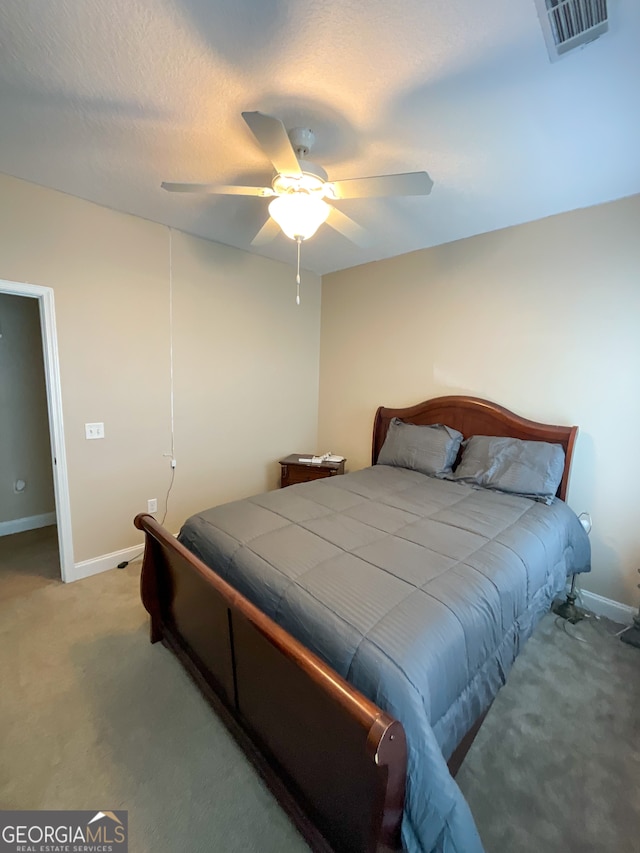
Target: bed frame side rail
(336, 762)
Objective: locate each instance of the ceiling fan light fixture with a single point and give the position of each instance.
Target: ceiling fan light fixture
(299, 214)
(300, 189)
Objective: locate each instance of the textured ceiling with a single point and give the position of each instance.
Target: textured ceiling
(104, 100)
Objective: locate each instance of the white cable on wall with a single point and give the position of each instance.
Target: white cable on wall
(173, 455)
(171, 382)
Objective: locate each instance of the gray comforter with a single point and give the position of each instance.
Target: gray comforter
(419, 591)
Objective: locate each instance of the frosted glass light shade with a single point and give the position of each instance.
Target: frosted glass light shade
(299, 214)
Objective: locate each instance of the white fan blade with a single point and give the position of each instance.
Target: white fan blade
(339, 221)
(274, 141)
(408, 183)
(267, 233)
(217, 189)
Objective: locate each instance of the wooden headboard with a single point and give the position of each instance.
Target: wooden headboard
(474, 416)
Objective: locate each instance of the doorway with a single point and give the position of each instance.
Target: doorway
(62, 512)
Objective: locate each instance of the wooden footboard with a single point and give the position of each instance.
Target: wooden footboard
(335, 761)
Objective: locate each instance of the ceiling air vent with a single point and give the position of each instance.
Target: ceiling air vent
(567, 24)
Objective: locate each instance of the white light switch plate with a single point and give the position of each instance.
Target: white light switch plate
(94, 430)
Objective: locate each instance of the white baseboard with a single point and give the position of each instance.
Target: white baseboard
(108, 561)
(602, 606)
(86, 568)
(31, 522)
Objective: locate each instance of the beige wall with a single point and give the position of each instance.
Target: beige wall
(246, 360)
(543, 318)
(25, 452)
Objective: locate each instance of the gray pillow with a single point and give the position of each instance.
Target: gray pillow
(529, 468)
(430, 449)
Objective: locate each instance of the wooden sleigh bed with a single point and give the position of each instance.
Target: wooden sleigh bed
(336, 762)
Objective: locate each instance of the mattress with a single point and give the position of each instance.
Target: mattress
(419, 591)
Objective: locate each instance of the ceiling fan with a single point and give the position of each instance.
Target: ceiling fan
(301, 193)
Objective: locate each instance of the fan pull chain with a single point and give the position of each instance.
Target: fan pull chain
(299, 242)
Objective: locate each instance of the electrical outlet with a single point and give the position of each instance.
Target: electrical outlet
(585, 520)
(152, 505)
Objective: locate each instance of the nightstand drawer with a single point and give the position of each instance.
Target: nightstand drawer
(293, 471)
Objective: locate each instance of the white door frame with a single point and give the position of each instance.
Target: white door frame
(44, 295)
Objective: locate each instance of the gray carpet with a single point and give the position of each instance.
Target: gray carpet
(556, 765)
(92, 716)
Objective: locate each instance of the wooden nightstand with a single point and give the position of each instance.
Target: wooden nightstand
(292, 470)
